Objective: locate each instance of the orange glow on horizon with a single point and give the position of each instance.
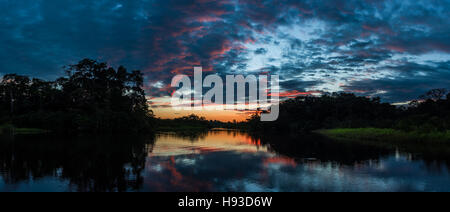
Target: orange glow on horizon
(161, 107)
(219, 115)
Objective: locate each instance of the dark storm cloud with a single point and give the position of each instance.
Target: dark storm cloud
(261, 51)
(415, 80)
(164, 38)
(297, 84)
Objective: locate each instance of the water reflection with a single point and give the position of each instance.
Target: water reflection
(215, 161)
(42, 163)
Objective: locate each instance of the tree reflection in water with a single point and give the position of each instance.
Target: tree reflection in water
(349, 153)
(87, 163)
(216, 161)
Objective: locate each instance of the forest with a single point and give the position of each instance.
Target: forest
(430, 113)
(92, 97)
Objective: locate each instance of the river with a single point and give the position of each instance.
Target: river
(213, 161)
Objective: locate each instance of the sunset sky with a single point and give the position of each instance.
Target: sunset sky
(393, 49)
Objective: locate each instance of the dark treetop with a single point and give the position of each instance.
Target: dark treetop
(91, 97)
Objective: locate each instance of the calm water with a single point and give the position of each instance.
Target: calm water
(214, 161)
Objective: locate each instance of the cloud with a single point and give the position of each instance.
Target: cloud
(415, 80)
(261, 51)
(312, 44)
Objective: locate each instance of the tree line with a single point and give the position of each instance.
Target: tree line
(430, 113)
(195, 123)
(91, 97)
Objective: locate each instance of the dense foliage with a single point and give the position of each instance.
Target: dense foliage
(186, 123)
(341, 110)
(92, 97)
(195, 123)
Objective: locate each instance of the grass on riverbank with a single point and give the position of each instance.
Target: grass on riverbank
(385, 135)
(20, 131)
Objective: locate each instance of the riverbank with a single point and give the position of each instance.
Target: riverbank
(391, 136)
(20, 131)
(181, 128)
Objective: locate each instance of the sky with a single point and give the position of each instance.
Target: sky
(396, 50)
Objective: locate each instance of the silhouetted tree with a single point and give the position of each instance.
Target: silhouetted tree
(430, 113)
(435, 94)
(92, 97)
